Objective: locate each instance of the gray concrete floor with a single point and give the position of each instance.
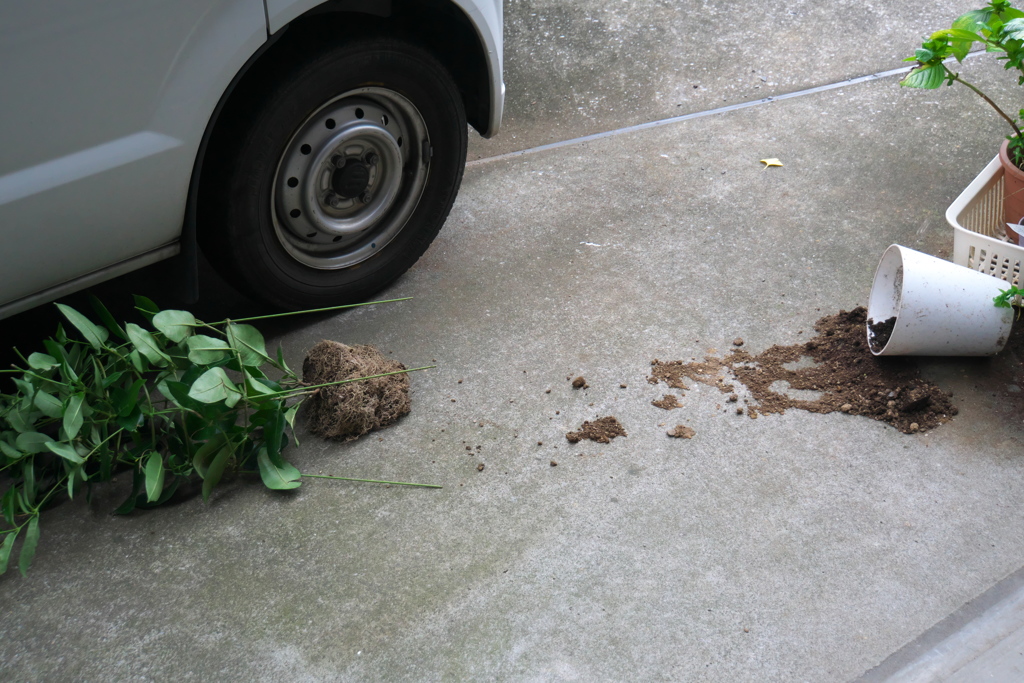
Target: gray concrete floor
(793, 548)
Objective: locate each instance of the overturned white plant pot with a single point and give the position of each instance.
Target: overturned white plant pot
(934, 308)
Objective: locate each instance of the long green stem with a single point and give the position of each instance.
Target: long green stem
(310, 310)
(299, 391)
(1013, 124)
(372, 481)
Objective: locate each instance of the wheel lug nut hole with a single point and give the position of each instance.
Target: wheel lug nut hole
(312, 234)
(294, 213)
(305, 149)
(329, 123)
(385, 120)
(293, 182)
(399, 141)
(359, 113)
(337, 239)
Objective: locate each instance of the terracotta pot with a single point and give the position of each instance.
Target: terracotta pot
(1013, 191)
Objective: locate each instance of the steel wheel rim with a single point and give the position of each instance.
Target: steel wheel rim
(350, 177)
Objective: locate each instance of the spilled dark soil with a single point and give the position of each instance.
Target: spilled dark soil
(836, 364)
(880, 332)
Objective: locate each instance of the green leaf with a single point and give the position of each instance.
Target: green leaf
(68, 371)
(926, 77)
(168, 492)
(130, 422)
(147, 345)
(5, 549)
(111, 379)
(10, 451)
(28, 546)
(9, 502)
(154, 476)
(215, 385)
(273, 430)
(176, 325)
(201, 460)
(216, 470)
(42, 361)
(974, 21)
(138, 362)
(19, 420)
(48, 404)
(922, 54)
(106, 318)
(75, 476)
(73, 415)
(32, 442)
(281, 364)
(290, 414)
(66, 451)
(28, 487)
(256, 386)
(130, 502)
(248, 343)
(961, 35)
(92, 334)
(1014, 29)
(146, 306)
(125, 401)
(204, 350)
(279, 477)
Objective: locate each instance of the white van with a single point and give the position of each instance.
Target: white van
(312, 148)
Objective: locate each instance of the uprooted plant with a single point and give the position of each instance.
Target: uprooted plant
(180, 400)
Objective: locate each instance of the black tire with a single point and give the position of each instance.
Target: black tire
(332, 182)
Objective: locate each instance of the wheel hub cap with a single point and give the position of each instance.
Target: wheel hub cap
(350, 178)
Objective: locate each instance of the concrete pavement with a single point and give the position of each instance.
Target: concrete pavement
(793, 548)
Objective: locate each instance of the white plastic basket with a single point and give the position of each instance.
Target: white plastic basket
(979, 235)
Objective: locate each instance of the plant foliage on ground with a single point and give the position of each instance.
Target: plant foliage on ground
(999, 27)
(168, 401)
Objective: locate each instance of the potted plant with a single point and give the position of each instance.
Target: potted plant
(1000, 28)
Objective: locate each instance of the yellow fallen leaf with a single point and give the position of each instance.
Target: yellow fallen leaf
(771, 162)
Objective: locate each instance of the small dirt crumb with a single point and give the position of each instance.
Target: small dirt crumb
(622, 386)
(558, 412)
(590, 404)
(737, 342)
(460, 381)
(579, 383)
(547, 391)
(681, 432)
(540, 443)
(480, 467)
(554, 464)
(733, 398)
(739, 411)
(667, 402)
(914, 426)
(601, 430)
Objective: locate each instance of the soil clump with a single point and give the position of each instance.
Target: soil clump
(846, 375)
(601, 430)
(347, 411)
(667, 402)
(681, 432)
